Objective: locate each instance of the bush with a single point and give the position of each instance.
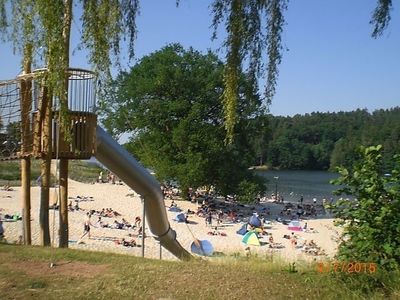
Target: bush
(248, 191)
(371, 220)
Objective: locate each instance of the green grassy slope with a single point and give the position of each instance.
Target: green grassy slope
(10, 171)
(25, 274)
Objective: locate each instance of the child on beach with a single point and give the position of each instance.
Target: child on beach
(293, 240)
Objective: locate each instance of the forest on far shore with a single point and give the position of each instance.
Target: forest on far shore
(322, 141)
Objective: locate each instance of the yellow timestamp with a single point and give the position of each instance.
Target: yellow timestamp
(346, 267)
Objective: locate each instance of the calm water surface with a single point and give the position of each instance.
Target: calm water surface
(294, 184)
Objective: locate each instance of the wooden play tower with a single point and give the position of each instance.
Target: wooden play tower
(30, 129)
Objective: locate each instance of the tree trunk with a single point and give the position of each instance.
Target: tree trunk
(63, 231)
(45, 170)
(26, 105)
(26, 199)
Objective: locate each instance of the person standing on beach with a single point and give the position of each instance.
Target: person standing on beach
(209, 219)
(1, 230)
(138, 221)
(86, 227)
(100, 179)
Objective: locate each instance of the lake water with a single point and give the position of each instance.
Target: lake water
(294, 184)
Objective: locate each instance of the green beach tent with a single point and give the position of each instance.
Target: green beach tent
(250, 238)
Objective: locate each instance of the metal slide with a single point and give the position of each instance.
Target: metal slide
(121, 162)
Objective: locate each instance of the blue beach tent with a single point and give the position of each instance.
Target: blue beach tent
(242, 230)
(180, 217)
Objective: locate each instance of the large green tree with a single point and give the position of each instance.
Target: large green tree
(169, 101)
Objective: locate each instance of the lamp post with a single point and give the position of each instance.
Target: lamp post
(276, 187)
(143, 224)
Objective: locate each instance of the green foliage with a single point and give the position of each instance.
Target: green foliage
(371, 220)
(10, 172)
(381, 17)
(104, 23)
(44, 27)
(248, 191)
(323, 141)
(170, 103)
(83, 171)
(252, 27)
(292, 268)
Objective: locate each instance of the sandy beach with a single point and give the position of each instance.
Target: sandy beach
(123, 200)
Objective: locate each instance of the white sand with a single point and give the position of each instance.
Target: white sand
(117, 197)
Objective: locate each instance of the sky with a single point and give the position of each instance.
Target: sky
(332, 62)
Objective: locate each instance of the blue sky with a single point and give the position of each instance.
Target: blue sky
(332, 64)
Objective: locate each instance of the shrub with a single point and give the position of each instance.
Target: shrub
(371, 220)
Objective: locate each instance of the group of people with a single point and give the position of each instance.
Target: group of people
(110, 178)
(7, 188)
(294, 211)
(123, 224)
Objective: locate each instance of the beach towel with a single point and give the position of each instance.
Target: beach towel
(295, 226)
(174, 209)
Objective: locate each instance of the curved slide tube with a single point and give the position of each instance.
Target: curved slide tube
(121, 162)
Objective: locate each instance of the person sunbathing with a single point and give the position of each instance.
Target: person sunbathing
(118, 225)
(115, 213)
(126, 223)
(7, 188)
(131, 243)
(276, 246)
(125, 243)
(312, 244)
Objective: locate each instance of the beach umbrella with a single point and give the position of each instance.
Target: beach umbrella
(251, 238)
(202, 247)
(255, 220)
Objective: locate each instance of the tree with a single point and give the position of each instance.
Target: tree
(252, 27)
(169, 101)
(371, 220)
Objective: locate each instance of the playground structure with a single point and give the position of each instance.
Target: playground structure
(30, 128)
(25, 123)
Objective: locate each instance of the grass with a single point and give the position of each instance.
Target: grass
(83, 171)
(25, 274)
(10, 172)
